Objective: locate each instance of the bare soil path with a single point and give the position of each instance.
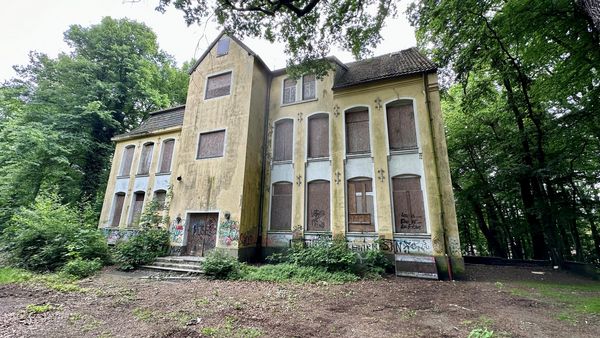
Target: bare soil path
(115, 304)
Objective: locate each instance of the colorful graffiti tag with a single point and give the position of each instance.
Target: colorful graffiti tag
(229, 233)
(177, 231)
(113, 235)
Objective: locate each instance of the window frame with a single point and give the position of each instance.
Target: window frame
(224, 130)
(299, 91)
(387, 130)
(162, 157)
(271, 194)
(121, 173)
(306, 210)
(315, 90)
(370, 123)
(291, 160)
(307, 145)
(212, 75)
(373, 193)
(141, 162)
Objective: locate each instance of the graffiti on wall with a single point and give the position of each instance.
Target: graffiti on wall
(229, 233)
(177, 231)
(279, 240)
(113, 235)
(413, 246)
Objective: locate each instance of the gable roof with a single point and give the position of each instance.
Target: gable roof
(405, 62)
(210, 47)
(157, 120)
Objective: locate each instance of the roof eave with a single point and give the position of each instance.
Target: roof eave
(395, 76)
(128, 136)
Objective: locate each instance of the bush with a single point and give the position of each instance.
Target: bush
(332, 256)
(142, 248)
(291, 272)
(48, 234)
(82, 268)
(220, 265)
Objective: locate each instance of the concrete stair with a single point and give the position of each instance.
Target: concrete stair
(181, 264)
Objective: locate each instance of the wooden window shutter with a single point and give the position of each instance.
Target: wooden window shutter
(127, 160)
(138, 204)
(289, 90)
(318, 206)
(118, 210)
(284, 138)
(167, 156)
(361, 211)
(281, 206)
(309, 87)
(357, 132)
(409, 208)
(211, 144)
(218, 85)
(401, 127)
(318, 137)
(146, 159)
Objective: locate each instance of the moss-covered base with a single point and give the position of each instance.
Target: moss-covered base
(457, 263)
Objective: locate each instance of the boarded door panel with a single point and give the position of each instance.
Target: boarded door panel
(211, 144)
(119, 200)
(202, 233)
(281, 207)
(167, 156)
(284, 137)
(357, 132)
(360, 206)
(127, 160)
(318, 137)
(409, 207)
(138, 204)
(318, 206)
(401, 127)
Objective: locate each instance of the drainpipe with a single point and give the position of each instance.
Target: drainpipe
(264, 164)
(437, 175)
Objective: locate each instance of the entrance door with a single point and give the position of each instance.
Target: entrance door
(202, 233)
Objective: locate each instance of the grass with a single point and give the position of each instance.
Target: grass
(582, 298)
(229, 329)
(143, 314)
(301, 274)
(41, 308)
(55, 281)
(12, 275)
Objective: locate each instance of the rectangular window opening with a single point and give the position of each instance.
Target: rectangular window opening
(167, 156)
(289, 91)
(317, 206)
(218, 85)
(361, 209)
(118, 209)
(357, 132)
(146, 159)
(318, 137)
(309, 87)
(281, 207)
(136, 208)
(127, 161)
(211, 144)
(223, 46)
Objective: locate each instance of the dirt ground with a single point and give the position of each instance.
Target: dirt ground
(117, 304)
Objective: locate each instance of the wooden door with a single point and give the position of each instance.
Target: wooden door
(202, 233)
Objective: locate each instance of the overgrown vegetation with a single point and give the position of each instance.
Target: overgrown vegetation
(82, 268)
(49, 234)
(143, 248)
(56, 281)
(583, 299)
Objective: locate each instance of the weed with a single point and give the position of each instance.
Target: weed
(42, 308)
(481, 332)
(209, 331)
(12, 275)
(296, 273)
(201, 302)
(499, 285)
(143, 314)
(409, 313)
(584, 299)
(75, 317)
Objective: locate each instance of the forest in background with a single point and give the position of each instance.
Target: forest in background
(521, 99)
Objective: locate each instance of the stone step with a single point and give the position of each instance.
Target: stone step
(178, 265)
(181, 259)
(171, 268)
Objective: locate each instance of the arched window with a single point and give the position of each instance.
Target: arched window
(126, 160)
(281, 206)
(117, 209)
(357, 131)
(283, 140)
(136, 208)
(318, 136)
(146, 159)
(361, 208)
(409, 209)
(317, 206)
(402, 134)
(167, 156)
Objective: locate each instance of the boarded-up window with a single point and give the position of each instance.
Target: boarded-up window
(308, 87)
(281, 206)
(218, 85)
(160, 197)
(211, 144)
(317, 206)
(167, 156)
(223, 46)
(127, 160)
(409, 209)
(361, 211)
(283, 140)
(136, 208)
(289, 90)
(118, 209)
(146, 159)
(401, 126)
(318, 136)
(357, 132)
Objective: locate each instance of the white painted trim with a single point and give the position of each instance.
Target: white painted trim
(187, 224)
(161, 154)
(208, 132)
(271, 205)
(120, 174)
(140, 159)
(415, 116)
(330, 207)
(370, 153)
(293, 140)
(306, 135)
(221, 72)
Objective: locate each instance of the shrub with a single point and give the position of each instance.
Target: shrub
(330, 255)
(48, 234)
(143, 248)
(220, 265)
(82, 268)
(291, 272)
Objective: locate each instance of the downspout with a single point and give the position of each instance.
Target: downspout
(263, 166)
(437, 175)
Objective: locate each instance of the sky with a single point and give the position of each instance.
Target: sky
(27, 25)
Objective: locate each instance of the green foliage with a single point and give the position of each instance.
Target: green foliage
(330, 255)
(12, 275)
(481, 332)
(348, 24)
(143, 248)
(37, 309)
(82, 268)
(220, 265)
(47, 235)
(301, 274)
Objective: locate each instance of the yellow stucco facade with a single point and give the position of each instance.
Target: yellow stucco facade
(234, 190)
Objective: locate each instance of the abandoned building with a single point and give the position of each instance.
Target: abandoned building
(255, 159)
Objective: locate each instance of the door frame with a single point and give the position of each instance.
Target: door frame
(188, 214)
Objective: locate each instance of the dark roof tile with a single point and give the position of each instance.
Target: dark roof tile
(161, 119)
